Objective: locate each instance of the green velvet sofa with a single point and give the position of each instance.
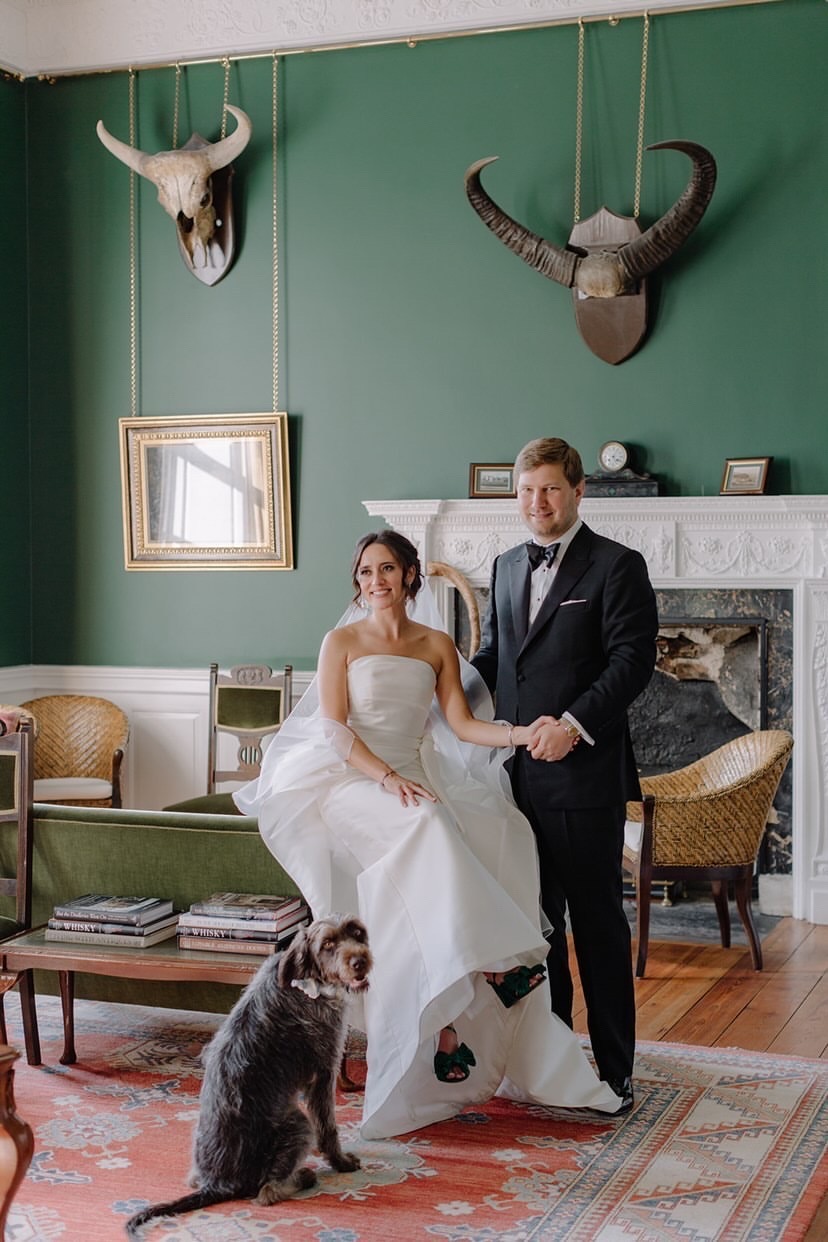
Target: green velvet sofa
(171, 854)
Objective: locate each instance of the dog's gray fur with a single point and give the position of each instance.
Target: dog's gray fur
(277, 1042)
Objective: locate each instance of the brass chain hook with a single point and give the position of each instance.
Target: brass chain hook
(275, 124)
(133, 266)
(226, 62)
(579, 122)
(176, 102)
(642, 100)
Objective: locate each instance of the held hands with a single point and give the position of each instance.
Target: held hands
(408, 792)
(550, 739)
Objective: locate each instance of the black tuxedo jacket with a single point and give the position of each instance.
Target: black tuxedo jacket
(590, 651)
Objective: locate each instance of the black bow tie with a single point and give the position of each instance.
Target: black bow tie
(539, 555)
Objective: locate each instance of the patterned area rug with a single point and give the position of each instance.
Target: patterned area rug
(722, 1145)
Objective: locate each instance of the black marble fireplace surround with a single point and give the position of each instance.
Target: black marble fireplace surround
(696, 702)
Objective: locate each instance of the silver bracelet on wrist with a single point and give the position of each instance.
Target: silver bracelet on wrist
(511, 741)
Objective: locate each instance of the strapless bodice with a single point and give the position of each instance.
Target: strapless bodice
(389, 700)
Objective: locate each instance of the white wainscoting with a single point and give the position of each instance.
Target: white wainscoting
(168, 710)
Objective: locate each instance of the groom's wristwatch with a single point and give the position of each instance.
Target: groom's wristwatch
(572, 730)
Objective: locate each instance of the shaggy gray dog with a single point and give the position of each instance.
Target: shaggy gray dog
(284, 1037)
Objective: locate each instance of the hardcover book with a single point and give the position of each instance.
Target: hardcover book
(246, 905)
(211, 945)
(238, 933)
(111, 938)
(109, 908)
(223, 923)
(112, 929)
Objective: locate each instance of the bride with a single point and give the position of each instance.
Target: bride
(373, 805)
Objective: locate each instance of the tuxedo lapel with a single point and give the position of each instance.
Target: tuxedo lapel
(519, 581)
(573, 567)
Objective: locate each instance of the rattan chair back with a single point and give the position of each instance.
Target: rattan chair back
(713, 812)
(78, 735)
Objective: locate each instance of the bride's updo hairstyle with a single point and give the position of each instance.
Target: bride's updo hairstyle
(403, 552)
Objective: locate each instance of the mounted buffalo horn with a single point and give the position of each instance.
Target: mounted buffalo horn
(608, 257)
(193, 184)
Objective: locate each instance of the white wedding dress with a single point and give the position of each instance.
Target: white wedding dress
(446, 890)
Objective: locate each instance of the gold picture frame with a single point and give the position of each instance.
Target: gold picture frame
(745, 476)
(206, 492)
(491, 480)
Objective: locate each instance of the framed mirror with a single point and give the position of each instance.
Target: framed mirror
(209, 492)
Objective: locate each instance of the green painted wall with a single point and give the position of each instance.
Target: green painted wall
(412, 342)
(15, 558)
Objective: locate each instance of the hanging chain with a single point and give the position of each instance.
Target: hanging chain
(579, 122)
(275, 124)
(639, 154)
(133, 298)
(226, 64)
(176, 103)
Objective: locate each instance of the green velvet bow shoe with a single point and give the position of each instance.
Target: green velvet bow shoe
(517, 983)
(462, 1058)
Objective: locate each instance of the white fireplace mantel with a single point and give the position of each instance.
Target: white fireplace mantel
(761, 542)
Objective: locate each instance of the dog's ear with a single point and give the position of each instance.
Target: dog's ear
(297, 960)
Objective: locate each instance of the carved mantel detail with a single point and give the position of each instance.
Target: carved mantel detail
(717, 541)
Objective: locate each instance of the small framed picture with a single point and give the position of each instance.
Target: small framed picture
(745, 476)
(487, 480)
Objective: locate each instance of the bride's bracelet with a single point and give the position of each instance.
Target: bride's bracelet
(511, 735)
(386, 775)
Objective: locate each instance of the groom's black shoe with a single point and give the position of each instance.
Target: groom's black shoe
(623, 1088)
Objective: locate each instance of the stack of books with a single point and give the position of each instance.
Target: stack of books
(242, 923)
(98, 918)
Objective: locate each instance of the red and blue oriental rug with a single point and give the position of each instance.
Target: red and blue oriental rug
(722, 1145)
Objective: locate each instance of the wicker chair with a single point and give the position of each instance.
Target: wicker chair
(80, 749)
(706, 822)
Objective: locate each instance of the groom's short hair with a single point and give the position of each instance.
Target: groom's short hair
(551, 451)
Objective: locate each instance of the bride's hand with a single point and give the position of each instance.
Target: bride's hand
(408, 792)
(524, 735)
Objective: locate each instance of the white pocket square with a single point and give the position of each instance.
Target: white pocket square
(573, 601)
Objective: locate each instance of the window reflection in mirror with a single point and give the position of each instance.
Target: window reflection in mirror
(206, 493)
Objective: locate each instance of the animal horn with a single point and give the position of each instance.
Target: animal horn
(662, 239)
(220, 154)
(131, 156)
(549, 260)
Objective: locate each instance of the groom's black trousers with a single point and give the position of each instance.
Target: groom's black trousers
(580, 869)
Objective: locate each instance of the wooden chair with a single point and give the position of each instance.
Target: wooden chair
(706, 822)
(250, 703)
(81, 742)
(16, 809)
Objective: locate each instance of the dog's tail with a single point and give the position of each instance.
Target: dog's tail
(188, 1203)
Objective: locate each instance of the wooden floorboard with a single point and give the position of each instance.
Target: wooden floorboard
(704, 995)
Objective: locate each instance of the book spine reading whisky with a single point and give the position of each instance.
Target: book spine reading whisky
(233, 933)
(113, 929)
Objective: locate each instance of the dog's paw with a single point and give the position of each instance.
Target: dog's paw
(346, 1162)
(275, 1192)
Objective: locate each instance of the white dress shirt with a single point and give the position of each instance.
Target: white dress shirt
(541, 582)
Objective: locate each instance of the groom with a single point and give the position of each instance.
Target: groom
(569, 636)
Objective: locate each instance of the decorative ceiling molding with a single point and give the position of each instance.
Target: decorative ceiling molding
(56, 37)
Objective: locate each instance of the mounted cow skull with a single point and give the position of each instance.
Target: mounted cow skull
(608, 256)
(193, 182)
